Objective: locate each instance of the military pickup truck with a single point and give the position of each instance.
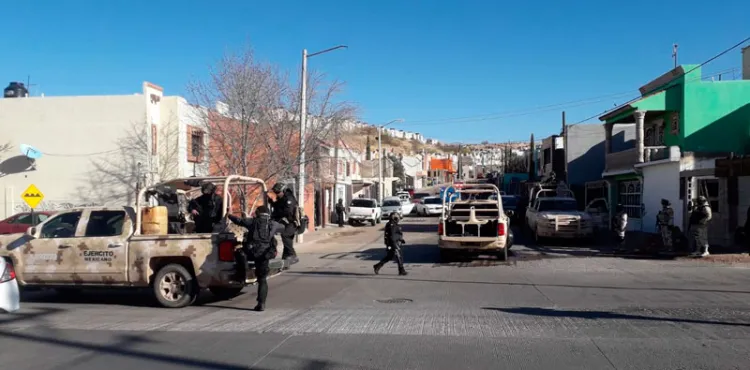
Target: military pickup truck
(473, 221)
(106, 247)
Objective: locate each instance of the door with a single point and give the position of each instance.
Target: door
(531, 214)
(629, 196)
(102, 247)
(710, 188)
(51, 256)
(599, 211)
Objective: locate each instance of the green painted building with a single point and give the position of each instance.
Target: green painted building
(678, 112)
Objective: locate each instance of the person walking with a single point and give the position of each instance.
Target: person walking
(259, 244)
(393, 239)
(285, 212)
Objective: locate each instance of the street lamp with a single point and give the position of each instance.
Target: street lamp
(380, 159)
(303, 122)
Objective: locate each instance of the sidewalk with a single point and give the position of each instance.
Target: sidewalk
(331, 231)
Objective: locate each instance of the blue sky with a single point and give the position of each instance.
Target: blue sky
(496, 62)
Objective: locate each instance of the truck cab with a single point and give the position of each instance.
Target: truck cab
(553, 213)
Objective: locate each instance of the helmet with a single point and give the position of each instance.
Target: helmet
(702, 200)
(278, 188)
(394, 216)
(665, 202)
(208, 188)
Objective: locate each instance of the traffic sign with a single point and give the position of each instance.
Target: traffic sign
(32, 196)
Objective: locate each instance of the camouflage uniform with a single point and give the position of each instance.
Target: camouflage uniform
(699, 219)
(665, 222)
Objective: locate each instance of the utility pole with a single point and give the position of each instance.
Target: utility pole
(565, 147)
(302, 124)
(380, 159)
(337, 138)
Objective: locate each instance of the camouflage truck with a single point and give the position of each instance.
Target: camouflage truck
(105, 247)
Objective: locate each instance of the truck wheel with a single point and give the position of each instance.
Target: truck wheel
(351, 222)
(225, 293)
(372, 222)
(175, 287)
(379, 219)
(445, 256)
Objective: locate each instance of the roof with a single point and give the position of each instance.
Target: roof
(653, 102)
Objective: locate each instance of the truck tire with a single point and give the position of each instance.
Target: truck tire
(372, 222)
(175, 287)
(225, 293)
(446, 256)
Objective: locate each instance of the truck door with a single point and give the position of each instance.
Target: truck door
(50, 257)
(103, 247)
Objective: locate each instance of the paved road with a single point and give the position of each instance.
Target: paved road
(545, 309)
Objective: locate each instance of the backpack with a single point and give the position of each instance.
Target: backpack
(261, 241)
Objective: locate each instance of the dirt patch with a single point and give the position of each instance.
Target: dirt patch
(343, 233)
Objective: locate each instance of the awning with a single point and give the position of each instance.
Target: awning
(358, 185)
(650, 103)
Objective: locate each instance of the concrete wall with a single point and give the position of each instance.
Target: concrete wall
(585, 150)
(746, 63)
(79, 138)
(176, 116)
(661, 181)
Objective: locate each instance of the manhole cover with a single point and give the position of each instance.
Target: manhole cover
(394, 300)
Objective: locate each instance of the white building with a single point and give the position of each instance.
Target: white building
(96, 148)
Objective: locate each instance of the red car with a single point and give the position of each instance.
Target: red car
(18, 223)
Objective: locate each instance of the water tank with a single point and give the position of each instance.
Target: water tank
(15, 90)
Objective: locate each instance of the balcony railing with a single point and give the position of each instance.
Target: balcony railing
(624, 160)
(621, 161)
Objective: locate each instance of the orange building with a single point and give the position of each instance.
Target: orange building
(441, 170)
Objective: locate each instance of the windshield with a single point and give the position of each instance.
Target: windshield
(509, 201)
(364, 203)
(557, 205)
(391, 203)
(421, 195)
(433, 201)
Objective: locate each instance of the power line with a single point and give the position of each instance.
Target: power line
(668, 82)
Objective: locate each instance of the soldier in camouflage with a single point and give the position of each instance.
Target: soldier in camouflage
(698, 226)
(665, 222)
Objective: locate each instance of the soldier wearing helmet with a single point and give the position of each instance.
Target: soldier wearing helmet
(393, 239)
(206, 209)
(285, 212)
(698, 226)
(665, 222)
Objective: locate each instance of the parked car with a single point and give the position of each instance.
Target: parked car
(510, 205)
(391, 205)
(18, 223)
(9, 294)
(363, 210)
(430, 206)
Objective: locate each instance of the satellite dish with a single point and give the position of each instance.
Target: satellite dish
(30, 152)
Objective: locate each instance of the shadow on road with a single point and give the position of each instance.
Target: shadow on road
(123, 341)
(119, 297)
(419, 228)
(603, 315)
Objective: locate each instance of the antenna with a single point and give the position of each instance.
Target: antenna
(674, 54)
(28, 86)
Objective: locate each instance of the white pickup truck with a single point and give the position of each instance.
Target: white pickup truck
(363, 210)
(557, 216)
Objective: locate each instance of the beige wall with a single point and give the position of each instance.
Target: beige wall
(74, 133)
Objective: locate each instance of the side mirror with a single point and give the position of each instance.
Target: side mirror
(31, 232)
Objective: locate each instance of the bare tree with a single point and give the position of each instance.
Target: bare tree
(4, 148)
(115, 176)
(251, 112)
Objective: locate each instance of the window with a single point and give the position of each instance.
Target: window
(105, 223)
(433, 201)
(195, 144)
(62, 226)
(709, 188)
(648, 139)
(153, 139)
(630, 197)
(25, 219)
(363, 203)
(660, 136)
(391, 203)
(348, 169)
(546, 205)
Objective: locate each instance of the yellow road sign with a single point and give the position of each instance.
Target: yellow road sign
(32, 196)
